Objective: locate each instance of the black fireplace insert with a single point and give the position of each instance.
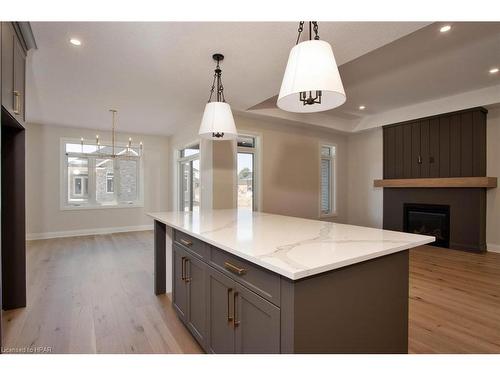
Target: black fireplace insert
(428, 219)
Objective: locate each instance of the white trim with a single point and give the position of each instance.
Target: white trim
(87, 232)
(494, 248)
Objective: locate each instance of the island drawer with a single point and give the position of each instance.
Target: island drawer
(261, 281)
(192, 244)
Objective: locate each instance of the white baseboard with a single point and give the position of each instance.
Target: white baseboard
(494, 248)
(87, 232)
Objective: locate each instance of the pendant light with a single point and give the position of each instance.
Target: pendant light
(217, 123)
(312, 81)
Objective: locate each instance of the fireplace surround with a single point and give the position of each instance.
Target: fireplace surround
(467, 212)
(428, 219)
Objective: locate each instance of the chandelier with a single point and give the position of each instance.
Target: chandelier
(312, 80)
(217, 123)
(112, 150)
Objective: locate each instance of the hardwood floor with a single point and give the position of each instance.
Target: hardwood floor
(94, 295)
(454, 301)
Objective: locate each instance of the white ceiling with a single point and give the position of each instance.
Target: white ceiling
(423, 66)
(158, 75)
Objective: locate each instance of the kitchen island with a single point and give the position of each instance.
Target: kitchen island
(251, 282)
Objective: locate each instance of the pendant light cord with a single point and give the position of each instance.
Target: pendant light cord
(217, 82)
(313, 26)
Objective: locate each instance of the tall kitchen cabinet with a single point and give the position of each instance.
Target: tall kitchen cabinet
(16, 39)
(447, 145)
(224, 315)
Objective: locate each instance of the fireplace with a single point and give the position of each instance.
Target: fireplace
(428, 219)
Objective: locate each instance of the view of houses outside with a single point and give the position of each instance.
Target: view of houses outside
(245, 180)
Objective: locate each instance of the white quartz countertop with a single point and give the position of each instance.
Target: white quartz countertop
(290, 246)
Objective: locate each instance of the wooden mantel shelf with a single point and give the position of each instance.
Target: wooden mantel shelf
(453, 182)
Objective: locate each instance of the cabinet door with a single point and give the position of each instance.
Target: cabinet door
(257, 323)
(196, 279)
(416, 157)
(179, 285)
(8, 66)
(434, 142)
(19, 78)
(455, 146)
(466, 144)
(424, 149)
(407, 156)
(220, 312)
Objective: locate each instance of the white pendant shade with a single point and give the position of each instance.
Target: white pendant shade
(311, 67)
(218, 118)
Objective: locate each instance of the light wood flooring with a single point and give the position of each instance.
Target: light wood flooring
(94, 294)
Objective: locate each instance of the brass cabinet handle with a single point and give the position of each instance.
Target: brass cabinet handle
(186, 242)
(186, 277)
(237, 270)
(183, 268)
(229, 317)
(236, 322)
(17, 102)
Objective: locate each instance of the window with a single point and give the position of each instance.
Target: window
(189, 178)
(94, 180)
(110, 186)
(246, 176)
(327, 180)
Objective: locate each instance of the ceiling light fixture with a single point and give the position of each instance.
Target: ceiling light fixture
(75, 42)
(445, 28)
(217, 123)
(494, 70)
(312, 80)
(362, 107)
(110, 151)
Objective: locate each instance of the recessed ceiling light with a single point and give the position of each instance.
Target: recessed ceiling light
(445, 28)
(75, 42)
(493, 70)
(362, 107)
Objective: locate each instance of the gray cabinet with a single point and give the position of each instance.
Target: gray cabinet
(197, 305)
(179, 285)
(189, 292)
(240, 321)
(8, 67)
(19, 81)
(13, 72)
(257, 324)
(220, 313)
(228, 303)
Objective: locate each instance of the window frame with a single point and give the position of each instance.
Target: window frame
(180, 160)
(256, 151)
(333, 179)
(92, 204)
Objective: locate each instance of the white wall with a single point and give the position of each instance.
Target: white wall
(365, 165)
(289, 167)
(43, 213)
(493, 170)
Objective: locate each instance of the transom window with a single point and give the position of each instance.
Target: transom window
(94, 179)
(327, 180)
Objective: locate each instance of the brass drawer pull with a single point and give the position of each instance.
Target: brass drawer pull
(186, 242)
(236, 322)
(17, 102)
(188, 267)
(183, 268)
(231, 267)
(229, 317)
